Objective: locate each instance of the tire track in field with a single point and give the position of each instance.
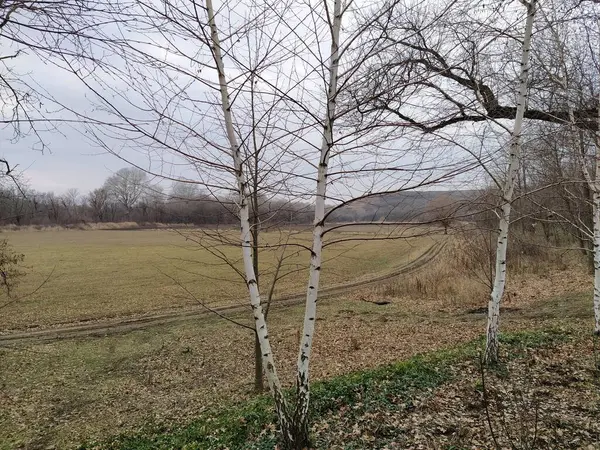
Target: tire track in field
(123, 325)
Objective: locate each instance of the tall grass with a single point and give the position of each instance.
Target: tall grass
(462, 274)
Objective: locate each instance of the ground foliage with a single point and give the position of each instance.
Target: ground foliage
(65, 392)
(435, 400)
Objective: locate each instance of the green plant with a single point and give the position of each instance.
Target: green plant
(250, 424)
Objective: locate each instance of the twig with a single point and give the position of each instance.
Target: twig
(14, 300)
(185, 289)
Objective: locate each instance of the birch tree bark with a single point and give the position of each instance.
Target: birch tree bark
(596, 215)
(310, 312)
(596, 218)
(246, 235)
(594, 187)
(491, 348)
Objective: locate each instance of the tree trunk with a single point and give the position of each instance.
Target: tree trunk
(491, 349)
(596, 218)
(300, 418)
(260, 324)
(596, 261)
(259, 384)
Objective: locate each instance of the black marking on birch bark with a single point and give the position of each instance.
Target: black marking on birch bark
(318, 268)
(265, 355)
(303, 358)
(262, 327)
(313, 254)
(323, 164)
(311, 318)
(311, 287)
(250, 282)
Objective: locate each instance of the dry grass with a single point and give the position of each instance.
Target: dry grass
(99, 274)
(461, 276)
(69, 391)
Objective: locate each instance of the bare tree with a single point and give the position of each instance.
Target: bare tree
(126, 187)
(308, 154)
(70, 202)
(97, 200)
(492, 343)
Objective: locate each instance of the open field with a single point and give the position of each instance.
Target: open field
(111, 273)
(66, 392)
(62, 393)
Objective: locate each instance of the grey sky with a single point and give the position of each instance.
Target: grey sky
(71, 160)
(68, 160)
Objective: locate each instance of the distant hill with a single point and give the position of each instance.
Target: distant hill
(404, 206)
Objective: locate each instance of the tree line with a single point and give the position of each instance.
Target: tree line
(128, 196)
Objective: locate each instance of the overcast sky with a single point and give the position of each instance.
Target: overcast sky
(70, 160)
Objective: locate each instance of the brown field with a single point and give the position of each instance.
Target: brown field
(59, 394)
(89, 275)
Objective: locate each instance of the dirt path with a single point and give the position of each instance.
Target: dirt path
(125, 324)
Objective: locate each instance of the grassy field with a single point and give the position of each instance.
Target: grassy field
(71, 391)
(107, 273)
(63, 393)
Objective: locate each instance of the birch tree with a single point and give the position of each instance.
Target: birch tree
(491, 348)
(592, 180)
(572, 76)
(199, 65)
(451, 65)
(293, 422)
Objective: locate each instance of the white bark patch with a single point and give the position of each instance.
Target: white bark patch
(491, 350)
(310, 313)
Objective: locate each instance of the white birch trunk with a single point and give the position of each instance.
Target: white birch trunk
(596, 219)
(596, 206)
(594, 185)
(491, 349)
(260, 323)
(303, 393)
